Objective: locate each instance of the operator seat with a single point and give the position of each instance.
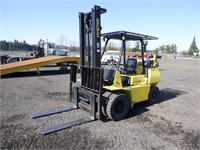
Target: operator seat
(108, 76)
(130, 66)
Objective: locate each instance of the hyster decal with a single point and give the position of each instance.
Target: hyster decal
(97, 28)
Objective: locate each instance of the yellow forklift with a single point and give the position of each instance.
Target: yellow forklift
(107, 92)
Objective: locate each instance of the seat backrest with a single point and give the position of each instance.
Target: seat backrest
(130, 65)
(108, 76)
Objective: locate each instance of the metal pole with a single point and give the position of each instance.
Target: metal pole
(142, 48)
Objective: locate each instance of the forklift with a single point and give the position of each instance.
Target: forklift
(107, 92)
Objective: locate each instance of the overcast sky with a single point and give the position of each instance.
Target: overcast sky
(172, 21)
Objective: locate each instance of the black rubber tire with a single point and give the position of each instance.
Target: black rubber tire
(105, 98)
(117, 107)
(12, 60)
(153, 95)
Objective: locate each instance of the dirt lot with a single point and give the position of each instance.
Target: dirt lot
(172, 123)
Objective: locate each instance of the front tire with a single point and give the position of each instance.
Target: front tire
(117, 107)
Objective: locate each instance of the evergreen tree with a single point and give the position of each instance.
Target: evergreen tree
(193, 48)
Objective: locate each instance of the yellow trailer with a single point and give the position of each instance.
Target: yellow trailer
(36, 63)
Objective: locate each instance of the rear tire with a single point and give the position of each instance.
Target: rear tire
(153, 95)
(117, 107)
(12, 60)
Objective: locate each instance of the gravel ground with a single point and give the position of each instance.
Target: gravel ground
(172, 123)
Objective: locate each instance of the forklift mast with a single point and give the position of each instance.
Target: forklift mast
(90, 37)
(90, 48)
(87, 94)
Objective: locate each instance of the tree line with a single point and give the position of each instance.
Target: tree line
(15, 46)
(23, 46)
(167, 49)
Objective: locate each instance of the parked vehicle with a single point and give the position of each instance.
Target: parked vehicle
(61, 52)
(110, 57)
(43, 49)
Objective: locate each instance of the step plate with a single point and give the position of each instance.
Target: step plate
(51, 112)
(66, 125)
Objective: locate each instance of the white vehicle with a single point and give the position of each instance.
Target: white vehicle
(105, 59)
(110, 57)
(49, 48)
(61, 52)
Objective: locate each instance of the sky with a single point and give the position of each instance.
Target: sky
(172, 21)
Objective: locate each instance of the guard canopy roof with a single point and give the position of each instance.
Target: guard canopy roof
(119, 35)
